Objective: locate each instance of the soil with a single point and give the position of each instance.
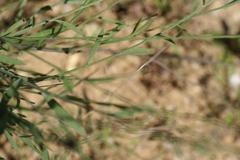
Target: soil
(188, 85)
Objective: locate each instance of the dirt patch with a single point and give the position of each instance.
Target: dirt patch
(195, 109)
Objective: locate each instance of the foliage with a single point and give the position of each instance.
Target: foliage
(24, 35)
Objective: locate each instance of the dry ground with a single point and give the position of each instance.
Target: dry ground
(188, 85)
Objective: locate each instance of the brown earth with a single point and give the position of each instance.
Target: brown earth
(188, 84)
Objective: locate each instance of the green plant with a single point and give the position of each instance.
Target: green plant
(25, 35)
(164, 5)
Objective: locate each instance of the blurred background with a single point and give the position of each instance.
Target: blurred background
(189, 93)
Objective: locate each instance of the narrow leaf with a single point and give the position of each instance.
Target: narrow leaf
(65, 117)
(136, 51)
(11, 140)
(13, 27)
(9, 60)
(93, 50)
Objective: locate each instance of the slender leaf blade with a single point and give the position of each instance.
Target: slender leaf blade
(10, 60)
(65, 116)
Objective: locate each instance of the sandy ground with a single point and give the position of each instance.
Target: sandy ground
(188, 85)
